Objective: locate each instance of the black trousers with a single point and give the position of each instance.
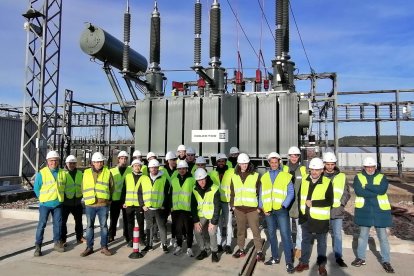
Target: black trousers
(115, 209)
(76, 211)
(132, 213)
(183, 225)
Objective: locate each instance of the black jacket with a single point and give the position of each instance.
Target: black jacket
(214, 220)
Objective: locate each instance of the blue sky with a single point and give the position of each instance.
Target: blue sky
(367, 43)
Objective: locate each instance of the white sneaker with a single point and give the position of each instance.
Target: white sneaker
(173, 242)
(190, 252)
(177, 251)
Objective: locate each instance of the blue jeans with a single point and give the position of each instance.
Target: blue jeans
(280, 218)
(57, 223)
(91, 213)
(383, 240)
(336, 225)
(307, 238)
(225, 222)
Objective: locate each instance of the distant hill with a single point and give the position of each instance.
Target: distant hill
(386, 140)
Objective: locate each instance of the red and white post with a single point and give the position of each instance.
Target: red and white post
(135, 245)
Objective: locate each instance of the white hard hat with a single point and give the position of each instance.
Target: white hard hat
(273, 155)
(151, 154)
(369, 162)
(71, 159)
(221, 156)
(97, 157)
(200, 173)
(190, 150)
(123, 154)
(181, 147)
(234, 150)
(137, 153)
(170, 155)
(293, 150)
(153, 163)
(182, 164)
(200, 160)
(52, 154)
(329, 157)
(316, 164)
(243, 158)
(136, 161)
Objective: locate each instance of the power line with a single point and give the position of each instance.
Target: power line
(267, 22)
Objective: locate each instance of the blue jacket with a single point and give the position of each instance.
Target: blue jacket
(38, 185)
(371, 214)
(290, 192)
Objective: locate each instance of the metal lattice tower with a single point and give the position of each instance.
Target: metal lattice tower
(39, 122)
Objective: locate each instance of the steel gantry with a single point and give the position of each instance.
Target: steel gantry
(43, 26)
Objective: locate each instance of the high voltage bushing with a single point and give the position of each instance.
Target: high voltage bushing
(127, 32)
(215, 31)
(197, 33)
(155, 39)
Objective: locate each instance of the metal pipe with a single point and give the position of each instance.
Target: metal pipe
(397, 114)
(377, 137)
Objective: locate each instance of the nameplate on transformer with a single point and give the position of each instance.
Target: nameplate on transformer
(209, 135)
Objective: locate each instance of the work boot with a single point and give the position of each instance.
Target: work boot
(260, 256)
(202, 255)
(341, 262)
(228, 249)
(219, 248)
(38, 251)
(387, 267)
(239, 254)
(302, 267)
(214, 257)
(86, 252)
(105, 251)
(59, 247)
(290, 268)
(322, 270)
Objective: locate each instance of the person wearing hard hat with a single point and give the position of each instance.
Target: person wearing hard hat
(138, 155)
(276, 195)
(190, 159)
(182, 189)
(205, 209)
(372, 208)
(181, 152)
(202, 163)
(156, 198)
(244, 193)
(298, 172)
(150, 156)
(135, 183)
(118, 197)
(232, 160)
(170, 168)
(72, 203)
(341, 197)
(222, 174)
(316, 199)
(97, 188)
(49, 187)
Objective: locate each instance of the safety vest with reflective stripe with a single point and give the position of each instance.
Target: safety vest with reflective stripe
(319, 213)
(273, 194)
(205, 206)
(52, 188)
(229, 164)
(302, 169)
(181, 195)
(224, 184)
(167, 175)
(100, 189)
(157, 192)
(245, 194)
(131, 196)
(144, 170)
(338, 183)
(383, 202)
(73, 187)
(119, 181)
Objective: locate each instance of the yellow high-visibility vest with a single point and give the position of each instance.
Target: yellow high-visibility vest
(119, 181)
(302, 170)
(131, 197)
(319, 213)
(52, 188)
(338, 183)
(383, 201)
(245, 194)
(100, 189)
(273, 194)
(73, 187)
(181, 195)
(205, 206)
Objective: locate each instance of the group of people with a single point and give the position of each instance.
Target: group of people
(202, 203)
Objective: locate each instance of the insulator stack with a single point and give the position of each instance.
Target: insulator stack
(127, 32)
(197, 33)
(155, 39)
(286, 26)
(279, 28)
(215, 32)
